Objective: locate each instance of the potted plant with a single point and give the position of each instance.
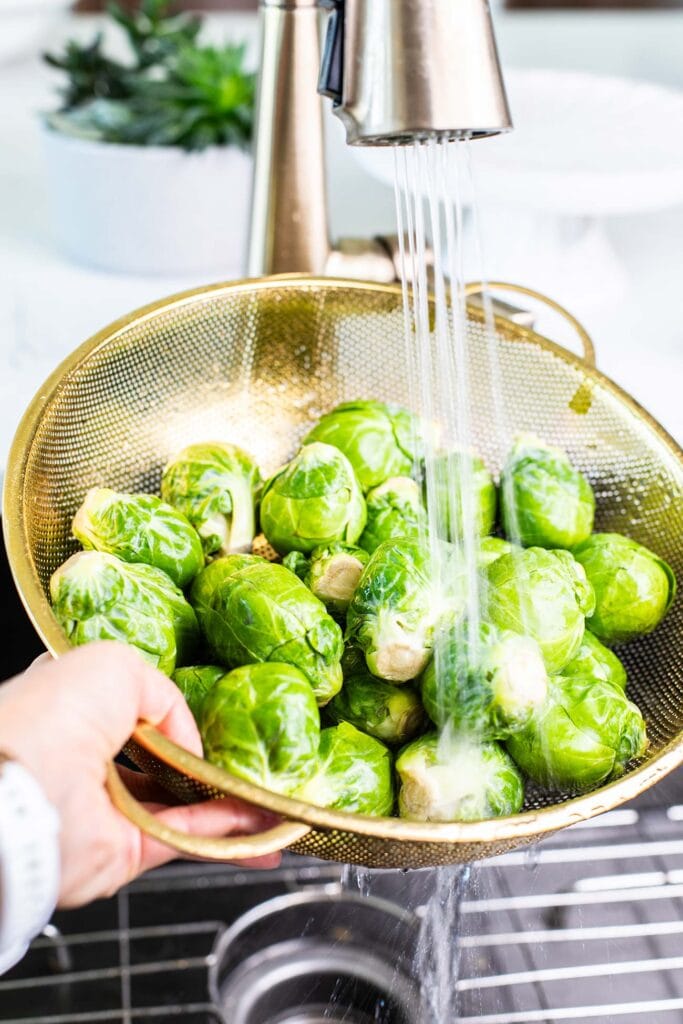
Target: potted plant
(148, 157)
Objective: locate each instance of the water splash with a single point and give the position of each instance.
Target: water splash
(438, 951)
(356, 879)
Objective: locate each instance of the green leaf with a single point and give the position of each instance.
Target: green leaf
(174, 91)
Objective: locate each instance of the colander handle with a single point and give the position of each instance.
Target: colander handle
(205, 847)
(476, 287)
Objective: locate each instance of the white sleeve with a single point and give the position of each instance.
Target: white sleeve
(29, 861)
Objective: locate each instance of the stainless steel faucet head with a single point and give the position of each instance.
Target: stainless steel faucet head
(401, 70)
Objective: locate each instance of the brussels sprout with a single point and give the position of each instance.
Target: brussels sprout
(253, 610)
(261, 723)
(214, 485)
(140, 528)
(315, 499)
(634, 588)
(398, 605)
(545, 501)
(379, 440)
(490, 686)
(333, 574)
(96, 596)
(395, 509)
(455, 778)
(544, 594)
(353, 661)
(491, 548)
(207, 582)
(353, 773)
(452, 472)
(298, 563)
(391, 713)
(194, 682)
(584, 735)
(204, 585)
(595, 661)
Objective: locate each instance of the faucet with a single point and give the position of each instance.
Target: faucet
(397, 71)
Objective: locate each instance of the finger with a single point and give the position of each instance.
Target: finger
(40, 661)
(156, 699)
(115, 688)
(214, 819)
(144, 788)
(157, 798)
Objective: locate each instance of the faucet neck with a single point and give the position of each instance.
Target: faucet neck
(290, 5)
(289, 230)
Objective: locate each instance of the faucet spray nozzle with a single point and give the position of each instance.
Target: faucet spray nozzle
(400, 70)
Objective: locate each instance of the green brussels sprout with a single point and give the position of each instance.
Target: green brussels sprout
(206, 583)
(452, 473)
(455, 778)
(298, 563)
(634, 588)
(379, 440)
(314, 500)
(96, 596)
(214, 573)
(390, 713)
(543, 594)
(398, 605)
(353, 661)
(253, 610)
(354, 773)
(584, 735)
(214, 485)
(545, 501)
(491, 548)
(194, 682)
(395, 509)
(261, 723)
(140, 528)
(490, 685)
(332, 573)
(595, 661)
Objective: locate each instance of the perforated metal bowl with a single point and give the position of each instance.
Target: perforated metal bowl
(257, 362)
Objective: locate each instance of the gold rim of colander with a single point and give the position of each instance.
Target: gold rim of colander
(529, 823)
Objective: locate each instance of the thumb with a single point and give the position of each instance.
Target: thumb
(114, 688)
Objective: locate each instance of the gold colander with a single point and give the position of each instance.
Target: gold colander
(257, 362)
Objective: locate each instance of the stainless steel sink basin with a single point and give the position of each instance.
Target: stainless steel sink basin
(585, 927)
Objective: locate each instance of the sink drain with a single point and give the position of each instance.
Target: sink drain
(317, 958)
(323, 1015)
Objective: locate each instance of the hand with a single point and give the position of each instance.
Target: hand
(64, 721)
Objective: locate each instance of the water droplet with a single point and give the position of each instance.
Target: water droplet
(532, 858)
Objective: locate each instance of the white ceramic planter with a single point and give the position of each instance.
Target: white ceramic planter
(25, 25)
(149, 210)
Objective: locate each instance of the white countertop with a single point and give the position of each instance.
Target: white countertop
(48, 305)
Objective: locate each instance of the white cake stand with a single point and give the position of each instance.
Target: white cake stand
(585, 147)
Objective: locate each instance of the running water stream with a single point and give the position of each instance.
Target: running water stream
(428, 180)
(431, 179)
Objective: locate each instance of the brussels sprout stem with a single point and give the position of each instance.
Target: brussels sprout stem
(241, 531)
(399, 656)
(523, 682)
(339, 579)
(217, 526)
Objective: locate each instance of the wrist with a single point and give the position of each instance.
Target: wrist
(23, 741)
(29, 858)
